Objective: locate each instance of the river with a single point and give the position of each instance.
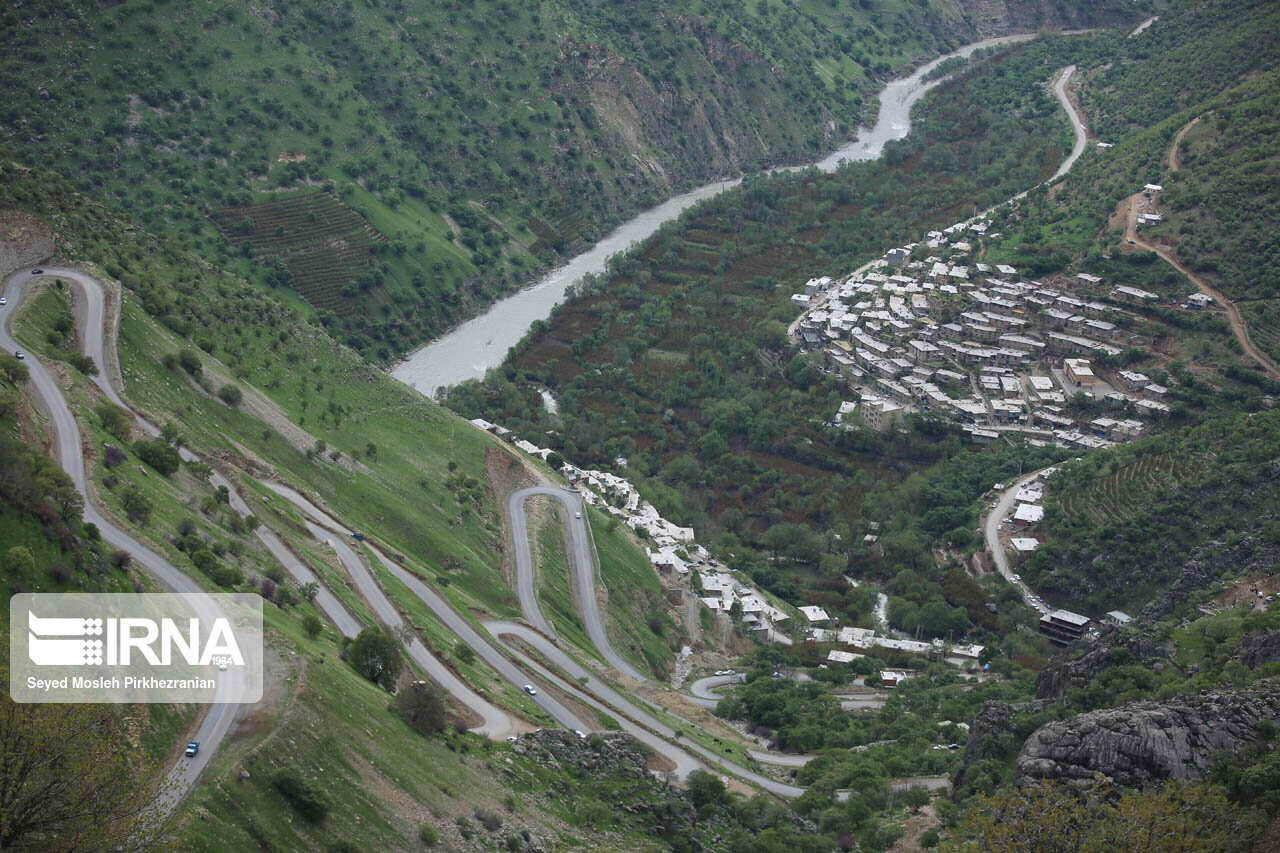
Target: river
(482, 342)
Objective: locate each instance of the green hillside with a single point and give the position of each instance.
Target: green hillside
(480, 140)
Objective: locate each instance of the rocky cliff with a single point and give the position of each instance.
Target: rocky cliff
(1076, 668)
(1142, 744)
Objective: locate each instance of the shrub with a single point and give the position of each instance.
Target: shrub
(158, 455)
(190, 361)
(84, 364)
(303, 796)
(427, 835)
(115, 420)
(489, 820)
(231, 395)
(112, 455)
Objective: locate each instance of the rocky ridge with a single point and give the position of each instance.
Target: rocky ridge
(1142, 744)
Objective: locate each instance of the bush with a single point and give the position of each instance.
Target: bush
(190, 361)
(158, 455)
(115, 420)
(231, 395)
(489, 820)
(112, 455)
(427, 835)
(84, 364)
(376, 655)
(304, 797)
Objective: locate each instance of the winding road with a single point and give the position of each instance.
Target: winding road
(1004, 506)
(68, 452)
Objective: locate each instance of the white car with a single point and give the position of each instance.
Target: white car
(531, 690)
(577, 515)
(726, 672)
(3, 301)
(1017, 577)
(512, 738)
(580, 733)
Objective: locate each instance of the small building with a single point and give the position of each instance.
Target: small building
(815, 614)
(1118, 618)
(1027, 515)
(1024, 544)
(890, 679)
(1063, 627)
(1079, 371)
(1199, 301)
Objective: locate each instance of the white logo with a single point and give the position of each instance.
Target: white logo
(135, 647)
(123, 636)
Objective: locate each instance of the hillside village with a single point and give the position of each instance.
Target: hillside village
(675, 554)
(927, 329)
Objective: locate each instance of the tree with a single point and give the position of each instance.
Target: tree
(159, 455)
(422, 707)
(18, 561)
(310, 589)
(70, 781)
(706, 789)
(464, 654)
(312, 625)
(1088, 817)
(114, 419)
(915, 799)
(376, 655)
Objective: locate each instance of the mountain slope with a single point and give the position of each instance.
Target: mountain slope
(479, 140)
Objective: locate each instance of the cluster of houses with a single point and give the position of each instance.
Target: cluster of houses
(867, 638)
(977, 345)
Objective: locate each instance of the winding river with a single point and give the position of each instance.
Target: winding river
(482, 342)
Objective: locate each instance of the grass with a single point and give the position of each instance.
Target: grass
(635, 596)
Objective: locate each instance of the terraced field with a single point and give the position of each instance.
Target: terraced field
(1263, 319)
(1122, 494)
(323, 242)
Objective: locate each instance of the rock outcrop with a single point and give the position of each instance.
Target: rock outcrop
(992, 735)
(1142, 744)
(1115, 647)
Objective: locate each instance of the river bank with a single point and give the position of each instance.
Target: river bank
(477, 345)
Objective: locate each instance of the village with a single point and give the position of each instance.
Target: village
(928, 330)
(676, 555)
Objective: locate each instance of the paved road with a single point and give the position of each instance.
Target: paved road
(1077, 122)
(1004, 506)
(580, 559)
(497, 723)
(68, 452)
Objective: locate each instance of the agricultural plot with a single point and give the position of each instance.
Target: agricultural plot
(324, 243)
(1263, 319)
(1122, 494)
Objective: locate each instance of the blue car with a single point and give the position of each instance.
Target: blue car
(192, 748)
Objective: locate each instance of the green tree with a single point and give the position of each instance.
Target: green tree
(312, 625)
(377, 655)
(18, 562)
(114, 420)
(422, 707)
(231, 395)
(159, 455)
(13, 370)
(71, 781)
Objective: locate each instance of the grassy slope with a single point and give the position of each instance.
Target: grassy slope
(533, 127)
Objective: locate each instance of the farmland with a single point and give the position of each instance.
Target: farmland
(323, 242)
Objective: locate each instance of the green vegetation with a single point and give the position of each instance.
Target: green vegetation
(731, 437)
(402, 164)
(1125, 521)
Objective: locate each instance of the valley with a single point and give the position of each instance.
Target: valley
(892, 502)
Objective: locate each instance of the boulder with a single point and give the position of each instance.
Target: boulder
(1142, 744)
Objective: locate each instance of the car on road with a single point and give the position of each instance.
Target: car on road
(192, 748)
(1017, 576)
(3, 301)
(37, 272)
(531, 690)
(726, 672)
(1131, 242)
(580, 733)
(577, 515)
(18, 355)
(512, 738)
